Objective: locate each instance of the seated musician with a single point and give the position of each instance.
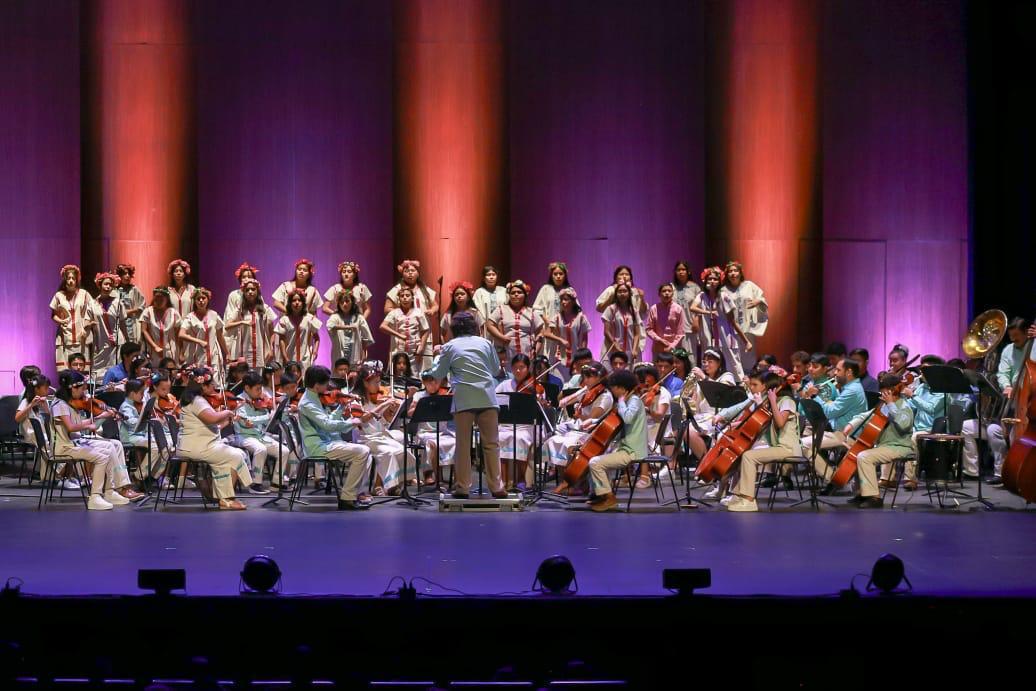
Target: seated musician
(130, 411)
(927, 406)
(516, 440)
(252, 423)
(696, 407)
(632, 444)
(321, 437)
(851, 401)
(386, 444)
(820, 386)
(439, 446)
(893, 443)
(657, 404)
(581, 357)
(778, 441)
(590, 402)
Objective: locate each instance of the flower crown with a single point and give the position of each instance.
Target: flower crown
(733, 264)
(250, 281)
(570, 292)
(518, 283)
(245, 266)
(179, 262)
(707, 271)
(558, 265)
(461, 284)
(103, 275)
(127, 268)
(70, 267)
(205, 292)
(307, 262)
(408, 262)
(355, 266)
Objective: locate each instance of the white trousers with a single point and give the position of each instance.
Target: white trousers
(388, 452)
(261, 450)
(225, 460)
(994, 435)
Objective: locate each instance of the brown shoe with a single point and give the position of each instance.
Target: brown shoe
(500, 495)
(886, 484)
(608, 503)
(910, 485)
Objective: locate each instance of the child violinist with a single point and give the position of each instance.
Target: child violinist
(252, 424)
(386, 445)
(516, 440)
(656, 399)
(131, 410)
(439, 446)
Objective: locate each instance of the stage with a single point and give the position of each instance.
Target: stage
(65, 550)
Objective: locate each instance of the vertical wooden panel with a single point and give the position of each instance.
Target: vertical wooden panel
(855, 301)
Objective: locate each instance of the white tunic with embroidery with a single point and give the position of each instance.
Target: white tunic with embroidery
(207, 328)
(299, 338)
(163, 331)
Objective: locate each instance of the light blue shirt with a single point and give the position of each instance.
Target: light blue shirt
(926, 406)
(852, 401)
(320, 428)
(634, 426)
(472, 364)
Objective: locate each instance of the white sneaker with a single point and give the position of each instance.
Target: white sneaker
(115, 499)
(97, 503)
(727, 499)
(742, 504)
(643, 482)
(69, 483)
(663, 474)
(713, 493)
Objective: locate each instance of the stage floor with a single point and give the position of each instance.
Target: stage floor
(68, 550)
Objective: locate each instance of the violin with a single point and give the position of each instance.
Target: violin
(168, 405)
(222, 400)
(531, 385)
(591, 395)
(264, 403)
(871, 427)
(94, 407)
(333, 397)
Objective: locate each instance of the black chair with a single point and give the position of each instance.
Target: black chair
(873, 399)
(45, 448)
(305, 463)
(11, 440)
(655, 462)
(817, 420)
(177, 469)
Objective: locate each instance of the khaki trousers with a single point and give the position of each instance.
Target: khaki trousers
(358, 456)
(751, 461)
(601, 468)
(487, 420)
(830, 440)
(867, 466)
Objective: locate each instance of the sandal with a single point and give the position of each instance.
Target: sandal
(379, 491)
(231, 505)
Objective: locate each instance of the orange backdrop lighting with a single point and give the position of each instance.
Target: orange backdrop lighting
(138, 144)
(769, 151)
(450, 157)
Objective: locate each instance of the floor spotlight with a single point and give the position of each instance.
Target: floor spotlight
(260, 574)
(556, 576)
(162, 581)
(887, 574)
(685, 581)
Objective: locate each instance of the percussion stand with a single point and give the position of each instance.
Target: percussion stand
(950, 380)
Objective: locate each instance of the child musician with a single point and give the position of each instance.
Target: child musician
(591, 402)
(348, 330)
(130, 410)
(386, 445)
(895, 441)
(70, 309)
(298, 331)
(251, 325)
(438, 448)
(516, 440)
(111, 483)
(181, 293)
(303, 280)
(657, 400)
(348, 282)
(159, 325)
(781, 437)
(200, 439)
(407, 325)
(252, 425)
(632, 444)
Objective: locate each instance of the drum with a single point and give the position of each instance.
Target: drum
(939, 456)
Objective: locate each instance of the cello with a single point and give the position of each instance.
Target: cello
(869, 432)
(738, 437)
(1019, 471)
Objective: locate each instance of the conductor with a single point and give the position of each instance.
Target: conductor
(471, 363)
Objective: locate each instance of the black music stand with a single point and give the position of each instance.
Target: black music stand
(719, 396)
(144, 424)
(275, 422)
(522, 409)
(946, 380)
(404, 493)
(437, 409)
(525, 408)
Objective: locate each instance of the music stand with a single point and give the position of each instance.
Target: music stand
(275, 422)
(143, 424)
(946, 380)
(719, 396)
(522, 409)
(529, 406)
(437, 409)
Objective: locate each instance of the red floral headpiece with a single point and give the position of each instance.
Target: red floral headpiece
(250, 281)
(779, 371)
(309, 263)
(70, 267)
(707, 271)
(126, 268)
(733, 263)
(179, 262)
(354, 265)
(518, 283)
(408, 262)
(245, 266)
(462, 284)
(103, 275)
(202, 375)
(201, 291)
(557, 265)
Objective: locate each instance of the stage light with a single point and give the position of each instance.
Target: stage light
(555, 576)
(686, 581)
(887, 574)
(162, 581)
(260, 574)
